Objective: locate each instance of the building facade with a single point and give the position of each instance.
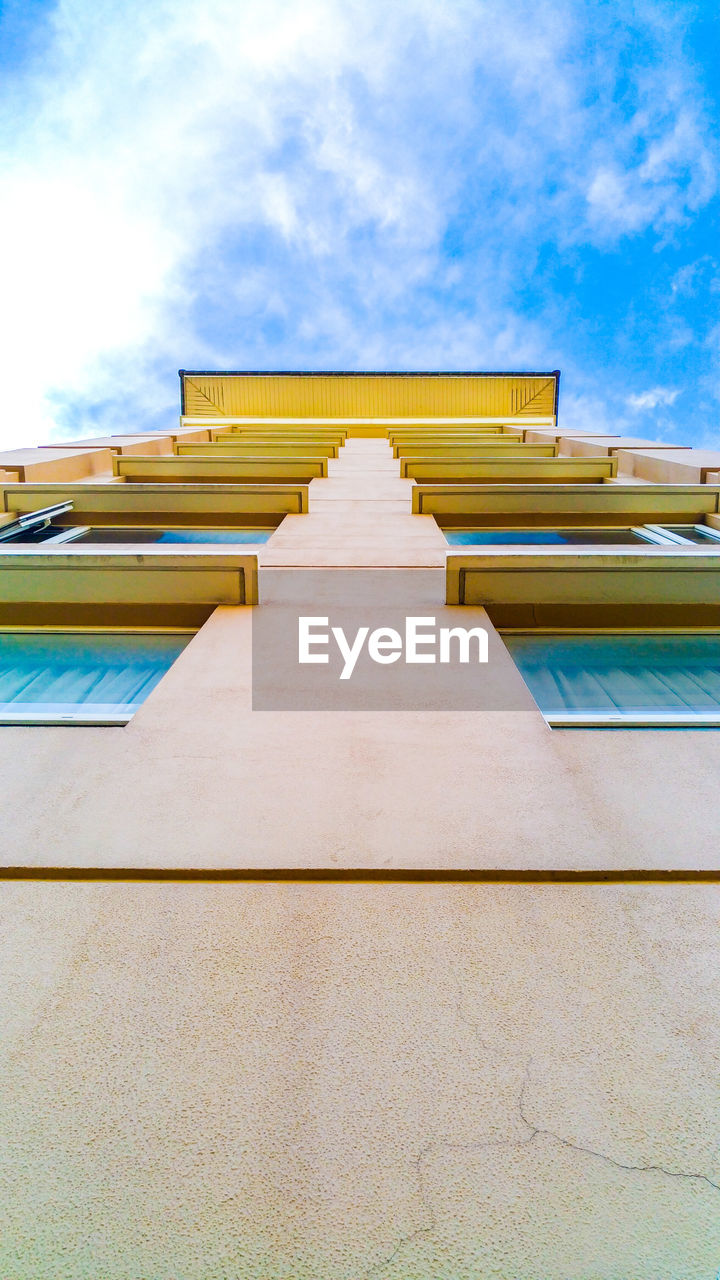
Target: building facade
(409, 973)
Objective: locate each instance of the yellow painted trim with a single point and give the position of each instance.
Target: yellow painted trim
(66, 629)
(278, 432)
(428, 445)
(348, 423)
(619, 631)
(652, 575)
(536, 505)
(410, 456)
(368, 396)
(432, 432)
(154, 504)
(242, 448)
(196, 470)
(557, 470)
(108, 576)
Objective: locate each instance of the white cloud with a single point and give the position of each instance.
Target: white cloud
(695, 276)
(674, 178)
(163, 144)
(654, 399)
(589, 413)
(159, 129)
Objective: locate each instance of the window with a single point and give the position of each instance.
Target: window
(36, 526)
(686, 532)
(622, 678)
(81, 677)
(42, 527)
(545, 537)
(666, 535)
(116, 534)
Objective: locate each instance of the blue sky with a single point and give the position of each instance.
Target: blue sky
(347, 184)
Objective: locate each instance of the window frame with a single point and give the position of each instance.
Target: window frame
(584, 720)
(83, 718)
(70, 534)
(649, 534)
(668, 532)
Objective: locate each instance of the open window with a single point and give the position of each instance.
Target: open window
(41, 525)
(53, 526)
(685, 533)
(585, 535)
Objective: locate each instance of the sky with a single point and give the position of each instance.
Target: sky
(352, 184)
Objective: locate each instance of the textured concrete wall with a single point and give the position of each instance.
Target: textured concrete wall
(315, 1082)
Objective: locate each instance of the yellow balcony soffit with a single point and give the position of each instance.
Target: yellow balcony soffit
(368, 395)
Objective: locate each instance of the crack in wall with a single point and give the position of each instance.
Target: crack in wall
(535, 1131)
(423, 1196)
(599, 1155)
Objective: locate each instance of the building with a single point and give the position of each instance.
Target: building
(366, 980)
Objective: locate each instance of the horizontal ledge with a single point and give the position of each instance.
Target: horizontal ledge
(85, 720)
(366, 424)
(92, 575)
(365, 373)
(586, 720)
(380, 875)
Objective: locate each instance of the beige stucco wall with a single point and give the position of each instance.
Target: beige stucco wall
(315, 1082)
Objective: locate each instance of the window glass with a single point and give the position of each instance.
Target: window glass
(104, 536)
(610, 675)
(692, 532)
(32, 536)
(540, 537)
(91, 676)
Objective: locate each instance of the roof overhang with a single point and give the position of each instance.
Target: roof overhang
(369, 395)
